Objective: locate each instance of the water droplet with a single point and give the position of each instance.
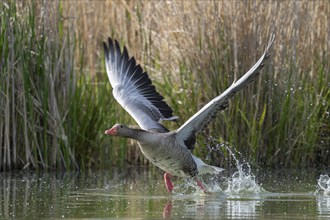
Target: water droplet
(323, 185)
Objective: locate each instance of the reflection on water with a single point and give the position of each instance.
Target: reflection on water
(242, 208)
(140, 193)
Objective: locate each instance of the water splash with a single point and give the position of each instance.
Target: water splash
(241, 181)
(323, 186)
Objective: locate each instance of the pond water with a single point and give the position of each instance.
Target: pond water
(140, 193)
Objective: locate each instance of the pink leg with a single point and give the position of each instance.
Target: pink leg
(167, 210)
(168, 183)
(201, 185)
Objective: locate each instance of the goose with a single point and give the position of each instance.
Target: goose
(171, 151)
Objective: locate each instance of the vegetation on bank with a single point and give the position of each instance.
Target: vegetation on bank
(56, 102)
(50, 111)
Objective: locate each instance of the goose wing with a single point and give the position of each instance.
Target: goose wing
(133, 89)
(186, 133)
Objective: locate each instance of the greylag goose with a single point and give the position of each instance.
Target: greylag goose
(168, 150)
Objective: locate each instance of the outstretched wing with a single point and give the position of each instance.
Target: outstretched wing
(133, 89)
(197, 123)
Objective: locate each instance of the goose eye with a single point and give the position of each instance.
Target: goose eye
(121, 126)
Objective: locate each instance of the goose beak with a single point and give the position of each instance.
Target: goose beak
(111, 131)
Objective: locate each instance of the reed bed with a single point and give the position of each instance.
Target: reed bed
(55, 99)
(50, 110)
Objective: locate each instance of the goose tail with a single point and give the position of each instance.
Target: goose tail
(205, 168)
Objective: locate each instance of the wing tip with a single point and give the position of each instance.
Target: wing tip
(270, 43)
(106, 50)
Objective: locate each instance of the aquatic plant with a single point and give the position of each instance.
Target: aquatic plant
(279, 121)
(54, 102)
(50, 109)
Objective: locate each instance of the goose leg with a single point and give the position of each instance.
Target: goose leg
(168, 183)
(200, 184)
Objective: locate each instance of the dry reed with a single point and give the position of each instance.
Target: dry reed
(55, 99)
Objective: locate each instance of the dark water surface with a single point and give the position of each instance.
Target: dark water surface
(140, 193)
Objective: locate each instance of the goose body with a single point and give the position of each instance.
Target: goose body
(168, 150)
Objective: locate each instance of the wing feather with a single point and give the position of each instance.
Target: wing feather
(133, 89)
(199, 121)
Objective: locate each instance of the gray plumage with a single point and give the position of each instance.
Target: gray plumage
(170, 151)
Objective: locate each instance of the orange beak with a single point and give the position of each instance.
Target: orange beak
(111, 131)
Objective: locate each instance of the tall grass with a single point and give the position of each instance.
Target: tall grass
(35, 60)
(55, 99)
(275, 122)
(196, 49)
(50, 108)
